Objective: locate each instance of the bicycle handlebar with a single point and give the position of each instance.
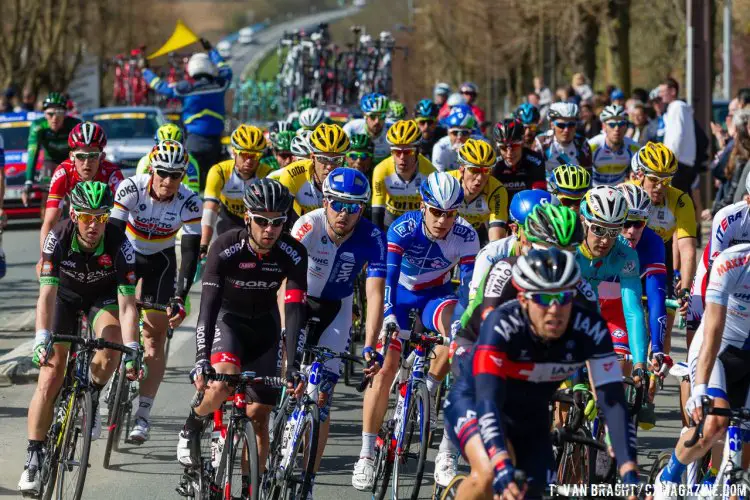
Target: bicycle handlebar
(238, 380)
(708, 409)
(367, 380)
(151, 305)
(93, 343)
(323, 353)
(560, 436)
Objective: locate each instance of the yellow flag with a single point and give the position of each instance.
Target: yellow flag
(182, 37)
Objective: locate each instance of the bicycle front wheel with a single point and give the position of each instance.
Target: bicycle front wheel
(408, 467)
(302, 461)
(118, 392)
(74, 451)
(240, 459)
(451, 491)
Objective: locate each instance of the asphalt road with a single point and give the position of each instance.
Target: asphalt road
(151, 471)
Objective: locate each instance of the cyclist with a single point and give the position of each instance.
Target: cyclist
(281, 145)
(569, 183)
(396, 180)
(518, 168)
(611, 151)
(460, 124)
(304, 178)
(374, 106)
(239, 325)
(606, 259)
(396, 112)
(425, 114)
(718, 359)
(48, 134)
(223, 208)
(310, 118)
(469, 91)
(423, 248)
(85, 163)
(88, 267)
(151, 209)
(340, 242)
(529, 116)
(653, 274)
(512, 381)
(361, 151)
(561, 145)
(485, 204)
(293, 117)
(172, 132)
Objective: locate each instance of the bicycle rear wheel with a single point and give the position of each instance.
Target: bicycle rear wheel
(450, 491)
(116, 409)
(74, 451)
(408, 467)
(240, 482)
(383, 462)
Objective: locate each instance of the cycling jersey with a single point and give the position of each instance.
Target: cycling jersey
(621, 266)
(66, 177)
(730, 226)
(651, 257)
(359, 127)
(577, 152)
(610, 167)
(152, 225)
(392, 196)
(675, 215)
(491, 253)
(489, 208)
(192, 174)
(445, 155)
(529, 173)
(54, 144)
(225, 187)
(270, 161)
(298, 177)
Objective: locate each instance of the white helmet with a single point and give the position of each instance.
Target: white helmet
(562, 110)
(365, 40)
(386, 35)
(200, 64)
(455, 99)
(613, 111)
(168, 155)
(311, 118)
(299, 147)
(314, 37)
(605, 205)
(639, 203)
(442, 190)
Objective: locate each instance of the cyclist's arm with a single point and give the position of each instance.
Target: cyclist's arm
(32, 151)
(190, 244)
(393, 270)
(686, 240)
(126, 198)
(211, 295)
(211, 201)
(375, 288)
(225, 70)
(51, 216)
(295, 309)
(656, 288)
(125, 270)
(632, 307)
(498, 202)
(49, 281)
(378, 198)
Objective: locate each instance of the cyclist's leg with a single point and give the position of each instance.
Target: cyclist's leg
(436, 317)
(103, 317)
(478, 485)
(535, 456)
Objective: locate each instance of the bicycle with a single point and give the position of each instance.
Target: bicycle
(68, 442)
(359, 313)
(224, 451)
(156, 307)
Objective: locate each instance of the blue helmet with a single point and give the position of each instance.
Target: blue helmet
(442, 190)
(528, 114)
(374, 103)
(523, 203)
(344, 183)
(426, 109)
(461, 116)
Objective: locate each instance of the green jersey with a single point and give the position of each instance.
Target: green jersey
(54, 144)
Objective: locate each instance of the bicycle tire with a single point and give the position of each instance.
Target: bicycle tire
(418, 413)
(576, 458)
(244, 437)
(660, 462)
(383, 464)
(450, 491)
(50, 463)
(84, 404)
(312, 422)
(439, 395)
(114, 423)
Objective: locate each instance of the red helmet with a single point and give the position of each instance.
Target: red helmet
(87, 134)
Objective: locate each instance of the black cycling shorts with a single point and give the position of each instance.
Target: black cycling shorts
(227, 221)
(157, 273)
(669, 262)
(252, 344)
(69, 304)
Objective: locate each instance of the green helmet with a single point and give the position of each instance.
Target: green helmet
(91, 195)
(304, 103)
(361, 142)
(556, 225)
(168, 131)
(282, 141)
(55, 100)
(396, 111)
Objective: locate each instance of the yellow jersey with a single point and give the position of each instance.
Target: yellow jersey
(392, 192)
(676, 215)
(298, 179)
(226, 187)
(489, 208)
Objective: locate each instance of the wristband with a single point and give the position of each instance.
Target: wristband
(134, 346)
(41, 337)
(209, 218)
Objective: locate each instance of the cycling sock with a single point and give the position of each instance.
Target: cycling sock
(144, 407)
(432, 384)
(446, 445)
(33, 451)
(193, 422)
(674, 469)
(35, 445)
(368, 445)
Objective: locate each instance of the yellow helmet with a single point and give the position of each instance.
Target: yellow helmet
(248, 138)
(328, 139)
(404, 133)
(656, 158)
(477, 153)
(570, 180)
(168, 131)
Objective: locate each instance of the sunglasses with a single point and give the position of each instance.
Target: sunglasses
(330, 160)
(655, 179)
(248, 154)
(359, 155)
(175, 176)
(460, 133)
(479, 170)
(566, 124)
(437, 213)
(638, 224)
(265, 221)
(623, 123)
(343, 206)
(57, 112)
(468, 92)
(94, 155)
(88, 218)
(375, 116)
(546, 299)
(569, 201)
(505, 146)
(422, 121)
(604, 232)
(403, 152)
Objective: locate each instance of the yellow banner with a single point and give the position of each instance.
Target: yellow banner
(182, 37)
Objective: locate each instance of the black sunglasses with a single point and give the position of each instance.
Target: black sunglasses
(172, 175)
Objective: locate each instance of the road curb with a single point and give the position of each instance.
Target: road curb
(16, 366)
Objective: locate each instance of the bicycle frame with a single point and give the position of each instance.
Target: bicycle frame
(416, 376)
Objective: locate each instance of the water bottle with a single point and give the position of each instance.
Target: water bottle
(286, 442)
(400, 407)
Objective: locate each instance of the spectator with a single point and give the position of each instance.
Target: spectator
(679, 133)
(544, 93)
(581, 87)
(533, 99)
(28, 101)
(567, 94)
(639, 124)
(743, 96)
(5, 105)
(470, 90)
(441, 93)
(723, 134)
(639, 94)
(656, 126)
(590, 125)
(737, 163)
(617, 97)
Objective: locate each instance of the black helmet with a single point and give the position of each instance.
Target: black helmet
(509, 131)
(267, 195)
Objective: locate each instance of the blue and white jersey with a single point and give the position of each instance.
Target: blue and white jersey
(332, 269)
(417, 262)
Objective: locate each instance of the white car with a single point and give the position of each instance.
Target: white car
(246, 36)
(224, 48)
